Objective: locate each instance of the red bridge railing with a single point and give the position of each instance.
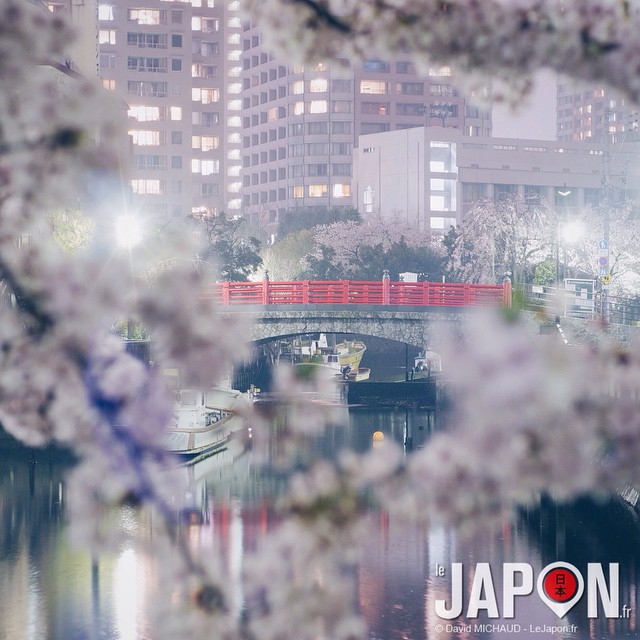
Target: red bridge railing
(382, 292)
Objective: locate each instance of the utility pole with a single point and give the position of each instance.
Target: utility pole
(603, 262)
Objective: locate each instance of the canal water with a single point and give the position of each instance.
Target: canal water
(51, 591)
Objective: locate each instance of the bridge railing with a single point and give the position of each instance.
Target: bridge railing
(384, 292)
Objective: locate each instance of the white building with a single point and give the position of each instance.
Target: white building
(433, 175)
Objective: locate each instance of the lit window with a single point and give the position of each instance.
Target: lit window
(317, 190)
(373, 86)
(143, 113)
(207, 167)
(144, 187)
(105, 12)
(298, 191)
(319, 85)
(297, 87)
(145, 138)
(341, 190)
(175, 113)
(298, 108)
(110, 85)
(318, 106)
(107, 36)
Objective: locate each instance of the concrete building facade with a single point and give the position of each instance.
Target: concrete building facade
(432, 176)
(177, 66)
(593, 114)
(301, 124)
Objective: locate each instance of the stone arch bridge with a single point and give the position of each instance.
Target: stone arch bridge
(412, 326)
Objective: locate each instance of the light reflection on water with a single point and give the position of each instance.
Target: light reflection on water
(51, 591)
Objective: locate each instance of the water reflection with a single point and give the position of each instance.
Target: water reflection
(51, 591)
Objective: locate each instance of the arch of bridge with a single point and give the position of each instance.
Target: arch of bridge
(411, 326)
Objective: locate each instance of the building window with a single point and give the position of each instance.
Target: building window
(410, 88)
(105, 12)
(375, 65)
(410, 109)
(341, 169)
(341, 127)
(176, 64)
(147, 16)
(297, 191)
(439, 223)
(297, 108)
(405, 67)
(205, 96)
(318, 106)
(341, 148)
(342, 86)
(107, 61)
(341, 106)
(315, 170)
(297, 87)
(204, 71)
(176, 40)
(147, 64)
(318, 190)
(145, 138)
(341, 190)
(151, 162)
(147, 40)
(373, 86)
(209, 189)
(142, 113)
(106, 36)
(502, 192)
(175, 113)
(146, 187)
(146, 88)
(109, 85)
(375, 108)
(473, 192)
(319, 85)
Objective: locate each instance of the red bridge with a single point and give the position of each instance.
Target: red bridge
(354, 292)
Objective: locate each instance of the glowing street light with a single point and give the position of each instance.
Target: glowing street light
(128, 231)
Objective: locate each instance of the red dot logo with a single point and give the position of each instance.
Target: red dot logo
(560, 585)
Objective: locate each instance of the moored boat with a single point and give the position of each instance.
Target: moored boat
(203, 422)
(347, 353)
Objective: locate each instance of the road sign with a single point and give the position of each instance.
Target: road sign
(606, 279)
(603, 260)
(603, 244)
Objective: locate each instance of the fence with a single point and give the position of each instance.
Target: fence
(353, 292)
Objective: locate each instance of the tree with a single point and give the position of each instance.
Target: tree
(233, 255)
(498, 238)
(72, 230)
(285, 259)
(306, 218)
(530, 416)
(364, 249)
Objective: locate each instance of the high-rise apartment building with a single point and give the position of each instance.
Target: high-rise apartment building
(588, 114)
(301, 124)
(217, 124)
(177, 66)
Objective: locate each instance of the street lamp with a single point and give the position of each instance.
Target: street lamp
(564, 193)
(128, 231)
(571, 232)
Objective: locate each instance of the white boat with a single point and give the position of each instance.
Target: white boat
(204, 421)
(428, 361)
(347, 353)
